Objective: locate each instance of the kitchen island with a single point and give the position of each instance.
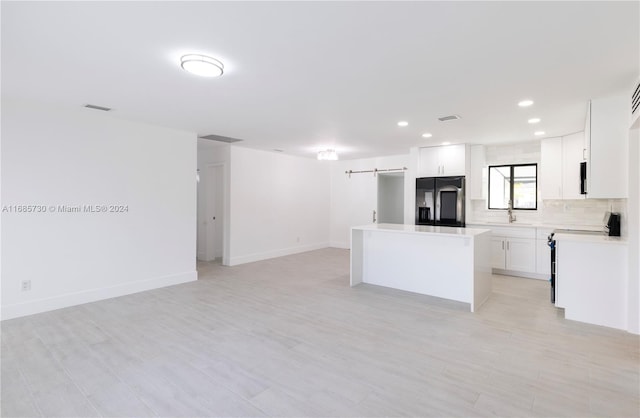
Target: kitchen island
(446, 262)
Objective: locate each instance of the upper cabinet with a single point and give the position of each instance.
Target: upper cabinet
(607, 136)
(448, 160)
(477, 179)
(573, 153)
(560, 160)
(551, 168)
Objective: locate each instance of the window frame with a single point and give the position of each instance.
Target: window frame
(511, 171)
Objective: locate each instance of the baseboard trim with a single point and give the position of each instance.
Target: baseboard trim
(338, 244)
(243, 259)
(86, 296)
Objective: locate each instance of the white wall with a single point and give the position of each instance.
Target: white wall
(353, 199)
(634, 232)
(279, 205)
(211, 153)
(80, 156)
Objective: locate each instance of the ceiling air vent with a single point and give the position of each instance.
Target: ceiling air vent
(635, 99)
(450, 117)
(95, 107)
(221, 138)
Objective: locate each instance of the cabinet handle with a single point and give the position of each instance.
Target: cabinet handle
(374, 216)
(507, 245)
(584, 150)
(503, 245)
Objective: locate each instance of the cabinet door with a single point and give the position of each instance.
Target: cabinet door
(608, 162)
(498, 252)
(551, 168)
(477, 180)
(429, 162)
(543, 257)
(452, 160)
(572, 152)
(521, 255)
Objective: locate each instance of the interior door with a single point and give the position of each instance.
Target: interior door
(363, 190)
(213, 219)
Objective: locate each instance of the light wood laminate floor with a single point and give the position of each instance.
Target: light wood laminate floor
(289, 337)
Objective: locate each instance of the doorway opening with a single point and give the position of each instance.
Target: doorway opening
(391, 198)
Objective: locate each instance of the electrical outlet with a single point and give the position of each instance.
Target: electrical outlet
(26, 285)
(298, 239)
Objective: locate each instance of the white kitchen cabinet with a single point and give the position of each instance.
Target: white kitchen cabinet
(449, 160)
(588, 288)
(477, 179)
(572, 156)
(498, 253)
(513, 249)
(521, 255)
(550, 174)
(607, 140)
(543, 257)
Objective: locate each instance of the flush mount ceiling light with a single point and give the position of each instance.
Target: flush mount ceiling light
(446, 143)
(426, 135)
(538, 133)
(328, 155)
(403, 123)
(534, 120)
(525, 103)
(202, 65)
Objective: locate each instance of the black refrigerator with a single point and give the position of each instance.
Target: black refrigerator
(440, 201)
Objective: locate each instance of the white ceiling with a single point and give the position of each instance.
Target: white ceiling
(301, 76)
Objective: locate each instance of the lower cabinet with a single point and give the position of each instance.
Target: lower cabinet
(543, 257)
(515, 254)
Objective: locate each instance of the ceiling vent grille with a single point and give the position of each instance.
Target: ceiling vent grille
(635, 99)
(221, 138)
(96, 107)
(450, 117)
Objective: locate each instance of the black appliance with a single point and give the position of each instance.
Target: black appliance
(440, 201)
(612, 224)
(583, 177)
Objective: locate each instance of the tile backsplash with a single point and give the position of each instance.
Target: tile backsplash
(583, 212)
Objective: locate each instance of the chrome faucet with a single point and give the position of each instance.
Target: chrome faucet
(512, 217)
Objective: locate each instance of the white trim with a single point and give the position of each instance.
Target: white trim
(71, 299)
(234, 261)
(339, 244)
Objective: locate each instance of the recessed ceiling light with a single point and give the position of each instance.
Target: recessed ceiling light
(202, 65)
(446, 143)
(403, 123)
(525, 103)
(534, 120)
(538, 133)
(426, 135)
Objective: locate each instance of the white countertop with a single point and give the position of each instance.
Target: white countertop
(517, 224)
(423, 229)
(599, 239)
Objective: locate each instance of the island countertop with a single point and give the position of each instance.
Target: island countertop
(423, 229)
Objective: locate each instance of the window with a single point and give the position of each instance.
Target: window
(517, 183)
